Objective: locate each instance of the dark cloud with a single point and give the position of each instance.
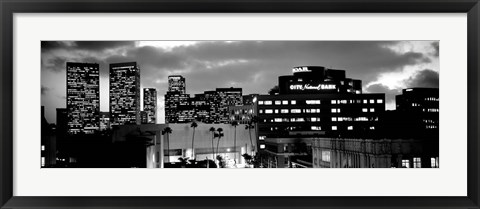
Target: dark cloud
(426, 78)
(436, 47)
(44, 90)
(85, 45)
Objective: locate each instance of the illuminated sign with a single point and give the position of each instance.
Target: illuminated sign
(300, 69)
(318, 87)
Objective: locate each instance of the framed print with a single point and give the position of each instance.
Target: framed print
(263, 104)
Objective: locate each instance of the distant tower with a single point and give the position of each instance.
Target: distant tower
(177, 101)
(176, 83)
(83, 98)
(150, 105)
(124, 93)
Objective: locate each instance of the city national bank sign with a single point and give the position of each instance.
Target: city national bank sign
(319, 87)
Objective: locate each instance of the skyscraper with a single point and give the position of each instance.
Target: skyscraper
(150, 104)
(176, 83)
(176, 100)
(124, 93)
(83, 97)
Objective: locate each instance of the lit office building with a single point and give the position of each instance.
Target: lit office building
(150, 105)
(209, 107)
(176, 100)
(176, 83)
(104, 121)
(83, 97)
(228, 97)
(124, 93)
(417, 110)
(314, 102)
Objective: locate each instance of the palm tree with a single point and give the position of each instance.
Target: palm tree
(249, 127)
(212, 129)
(219, 135)
(235, 124)
(193, 125)
(167, 130)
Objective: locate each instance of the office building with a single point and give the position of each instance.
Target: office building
(416, 115)
(374, 153)
(124, 93)
(209, 107)
(83, 97)
(314, 102)
(150, 105)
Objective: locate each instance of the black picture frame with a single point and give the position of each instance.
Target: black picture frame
(10, 7)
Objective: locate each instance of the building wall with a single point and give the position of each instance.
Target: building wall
(124, 93)
(83, 97)
(370, 153)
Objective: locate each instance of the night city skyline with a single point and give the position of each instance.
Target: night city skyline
(384, 67)
(240, 104)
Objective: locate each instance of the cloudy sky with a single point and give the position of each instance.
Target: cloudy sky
(384, 67)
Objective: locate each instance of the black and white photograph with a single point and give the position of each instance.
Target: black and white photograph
(239, 104)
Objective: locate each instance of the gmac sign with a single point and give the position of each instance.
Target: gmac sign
(300, 69)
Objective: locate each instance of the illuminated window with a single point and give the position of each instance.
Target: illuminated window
(364, 109)
(285, 102)
(260, 111)
(405, 163)
(260, 102)
(334, 101)
(315, 119)
(312, 101)
(433, 162)
(335, 110)
(342, 101)
(350, 128)
(372, 127)
(293, 102)
(316, 128)
(417, 162)
(278, 120)
(326, 156)
(276, 110)
(379, 101)
(372, 101)
(43, 161)
(284, 111)
(269, 111)
(365, 101)
(43, 147)
(261, 137)
(262, 146)
(278, 102)
(268, 102)
(297, 120)
(334, 128)
(296, 111)
(372, 109)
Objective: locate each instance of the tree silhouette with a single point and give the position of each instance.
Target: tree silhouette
(167, 130)
(235, 124)
(194, 125)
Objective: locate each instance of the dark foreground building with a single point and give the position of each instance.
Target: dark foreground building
(314, 102)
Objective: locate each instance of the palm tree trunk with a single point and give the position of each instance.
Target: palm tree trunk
(213, 149)
(218, 141)
(168, 147)
(235, 145)
(251, 142)
(193, 140)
